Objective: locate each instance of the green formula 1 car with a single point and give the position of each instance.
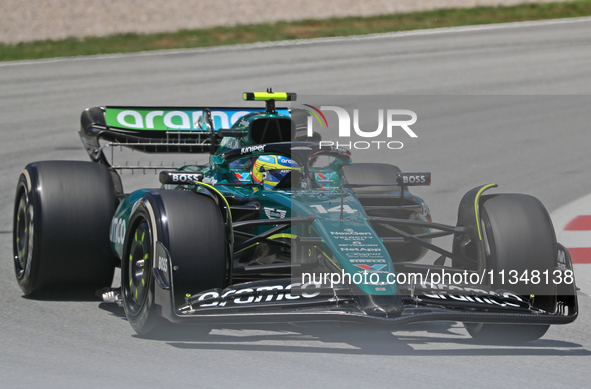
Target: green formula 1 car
(277, 228)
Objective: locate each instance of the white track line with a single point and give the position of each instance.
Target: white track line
(300, 42)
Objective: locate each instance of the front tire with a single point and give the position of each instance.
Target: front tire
(518, 237)
(191, 227)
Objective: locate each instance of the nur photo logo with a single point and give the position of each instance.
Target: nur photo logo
(391, 122)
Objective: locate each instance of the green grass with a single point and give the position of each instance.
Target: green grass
(218, 36)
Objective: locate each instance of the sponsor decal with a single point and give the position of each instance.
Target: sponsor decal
(324, 177)
(358, 243)
(325, 180)
(175, 119)
(252, 149)
(360, 249)
(349, 231)
(320, 208)
(474, 295)
(286, 161)
(118, 228)
(353, 238)
(371, 260)
(185, 177)
(242, 176)
(413, 179)
(162, 264)
(273, 213)
(365, 255)
(260, 294)
(371, 268)
(176, 177)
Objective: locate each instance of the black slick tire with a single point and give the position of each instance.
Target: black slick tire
(191, 228)
(62, 214)
(518, 237)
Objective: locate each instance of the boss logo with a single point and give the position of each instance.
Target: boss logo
(162, 264)
(171, 178)
(185, 177)
(413, 179)
(409, 179)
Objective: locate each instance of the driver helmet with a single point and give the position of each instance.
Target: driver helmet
(270, 169)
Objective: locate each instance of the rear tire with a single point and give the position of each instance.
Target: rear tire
(62, 214)
(191, 227)
(518, 236)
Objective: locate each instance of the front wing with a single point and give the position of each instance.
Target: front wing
(281, 300)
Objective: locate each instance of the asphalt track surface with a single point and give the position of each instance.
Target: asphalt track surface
(74, 344)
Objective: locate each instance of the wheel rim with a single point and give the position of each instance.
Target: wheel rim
(24, 232)
(138, 268)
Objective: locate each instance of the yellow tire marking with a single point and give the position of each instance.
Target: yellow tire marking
(476, 207)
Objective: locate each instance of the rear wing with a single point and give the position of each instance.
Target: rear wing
(157, 129)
